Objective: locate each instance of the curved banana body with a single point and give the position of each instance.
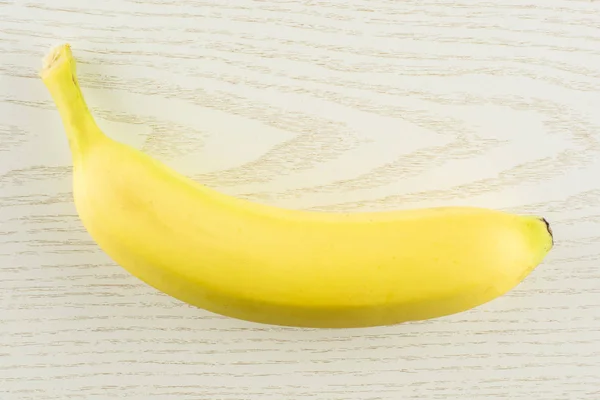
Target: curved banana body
(277, 266)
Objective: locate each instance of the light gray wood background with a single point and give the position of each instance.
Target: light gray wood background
(329, 105)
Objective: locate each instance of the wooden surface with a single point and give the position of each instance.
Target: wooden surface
(330, 105)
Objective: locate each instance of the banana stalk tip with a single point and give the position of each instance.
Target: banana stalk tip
(55, 57)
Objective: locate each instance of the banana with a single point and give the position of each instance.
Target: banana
(279, 266)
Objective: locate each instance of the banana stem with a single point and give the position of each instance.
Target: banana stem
(59, 75)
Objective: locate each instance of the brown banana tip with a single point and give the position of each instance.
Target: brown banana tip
(549, 229)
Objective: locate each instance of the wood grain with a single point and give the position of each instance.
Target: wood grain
(325, 105)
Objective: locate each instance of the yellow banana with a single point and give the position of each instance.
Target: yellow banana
(280, 266)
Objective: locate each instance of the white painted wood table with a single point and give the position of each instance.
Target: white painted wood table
(329, 105)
